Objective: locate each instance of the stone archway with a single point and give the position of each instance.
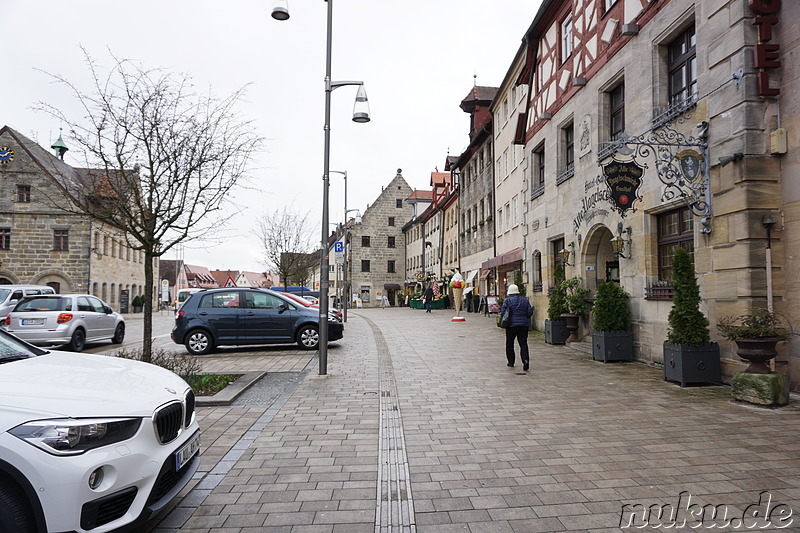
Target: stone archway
(65, 283)
(598, 257)
(8, 278)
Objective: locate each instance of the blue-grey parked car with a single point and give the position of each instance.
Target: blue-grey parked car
(243, 316)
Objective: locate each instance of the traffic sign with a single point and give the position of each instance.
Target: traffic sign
(338, 247)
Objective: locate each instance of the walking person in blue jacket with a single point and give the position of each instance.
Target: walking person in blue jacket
(520, 311)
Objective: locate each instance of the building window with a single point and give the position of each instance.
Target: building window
(24, 194)
(537, 188)
(515, 205)
(56, 286)
(556, 246)
(391, 221)
(505, 164)
(61, 240)
(609, 3)
(537, 272)
(508, 217)
(500, 220)
(365, 265)
(5, 238)
(365, 241)
(568, 153)
(675, 230)
(391, 243)
(399, 203)
(617, 111)
(391, 268)
(566, 38)
(682, 66)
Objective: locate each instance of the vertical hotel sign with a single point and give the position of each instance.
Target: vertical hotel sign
(766, 56)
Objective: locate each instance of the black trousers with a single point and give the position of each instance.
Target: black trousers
(520, 334)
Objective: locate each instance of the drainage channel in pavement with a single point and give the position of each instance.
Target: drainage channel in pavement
(395, 507)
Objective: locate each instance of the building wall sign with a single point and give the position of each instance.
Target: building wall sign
(623, 179)
(766, 55)
(596, 193)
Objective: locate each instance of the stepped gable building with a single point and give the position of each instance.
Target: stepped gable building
(654, 126)
(42, 243)
(476, 190)
(377, 252)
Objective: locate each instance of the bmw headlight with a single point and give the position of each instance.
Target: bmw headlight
(74, 436)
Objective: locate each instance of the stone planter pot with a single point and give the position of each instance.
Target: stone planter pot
(572, 326)
(757, 352)
(555, 331)
(692, 364)
(612, 346)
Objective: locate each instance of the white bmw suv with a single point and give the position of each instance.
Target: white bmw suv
(89, 442)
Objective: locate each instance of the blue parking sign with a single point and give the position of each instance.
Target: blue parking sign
(338, 247)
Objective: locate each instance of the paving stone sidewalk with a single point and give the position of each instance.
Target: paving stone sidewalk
(420, 426)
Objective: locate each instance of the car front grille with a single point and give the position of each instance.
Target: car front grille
(169, 422)
(107, 509)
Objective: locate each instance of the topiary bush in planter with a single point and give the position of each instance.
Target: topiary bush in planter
(611, 336)
(689, 354)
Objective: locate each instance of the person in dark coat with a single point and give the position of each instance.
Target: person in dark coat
(520, 311)
(428, 297)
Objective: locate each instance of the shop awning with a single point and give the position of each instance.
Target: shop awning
(504, 259)
(391, 287)
(471, 276)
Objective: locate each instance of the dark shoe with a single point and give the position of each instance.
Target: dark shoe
(525, 366)
(510, 364)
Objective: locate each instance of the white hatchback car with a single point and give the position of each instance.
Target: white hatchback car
(65, 319)
(89, 442)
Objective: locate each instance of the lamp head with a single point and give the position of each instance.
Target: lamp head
(280, 10)
(361, 107)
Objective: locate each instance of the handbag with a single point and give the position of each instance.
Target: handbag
(505, 318)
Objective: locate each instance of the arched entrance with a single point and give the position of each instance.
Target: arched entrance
(598, 257)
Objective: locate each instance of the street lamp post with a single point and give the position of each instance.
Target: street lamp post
(280, 11)
(346, 264)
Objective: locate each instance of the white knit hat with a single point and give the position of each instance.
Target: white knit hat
(513, 289)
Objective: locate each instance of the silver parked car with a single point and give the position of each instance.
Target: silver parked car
(65, 319)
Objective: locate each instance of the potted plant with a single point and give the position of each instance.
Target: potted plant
(689, 354)
(576, 305)
(756, 334)
(555, 327)
(138, 304)
(611, 336)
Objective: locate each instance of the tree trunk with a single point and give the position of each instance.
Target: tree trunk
(147, 340)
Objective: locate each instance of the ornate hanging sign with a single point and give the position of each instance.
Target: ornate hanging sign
(623, 179)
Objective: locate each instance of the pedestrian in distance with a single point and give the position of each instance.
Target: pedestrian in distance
(428, 297)
(520, 313)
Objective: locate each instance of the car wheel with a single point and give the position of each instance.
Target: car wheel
(198, 342)
(15, 515)
(78, 341)
(308, 337)
(119, 334)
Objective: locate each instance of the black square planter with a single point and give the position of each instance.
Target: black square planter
(555, 331)
(692, 364)
(612, 346)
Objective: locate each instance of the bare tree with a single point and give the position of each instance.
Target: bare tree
(287, 242)
(161, 159)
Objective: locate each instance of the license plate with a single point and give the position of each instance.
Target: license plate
(188, 451)
(33, 321)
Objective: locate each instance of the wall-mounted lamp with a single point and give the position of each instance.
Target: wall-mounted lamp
(564, 254)
(724, 160)
(620, 245)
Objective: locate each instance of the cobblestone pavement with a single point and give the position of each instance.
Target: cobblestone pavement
(420, 426)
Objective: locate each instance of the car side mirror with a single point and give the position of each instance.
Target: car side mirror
(109, 310)
(283, 307)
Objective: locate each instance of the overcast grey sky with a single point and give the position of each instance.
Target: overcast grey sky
(417, 59)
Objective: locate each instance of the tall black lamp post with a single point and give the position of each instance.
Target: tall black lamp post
(280, 11)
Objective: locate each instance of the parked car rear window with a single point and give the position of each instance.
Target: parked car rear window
(45, 304)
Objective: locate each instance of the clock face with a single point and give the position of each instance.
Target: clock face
(6, 155)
